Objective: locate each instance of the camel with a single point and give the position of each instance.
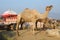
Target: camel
(31, 16)
(43, 17)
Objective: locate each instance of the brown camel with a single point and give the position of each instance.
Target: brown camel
(31, 16)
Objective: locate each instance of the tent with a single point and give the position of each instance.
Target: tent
(9, 13)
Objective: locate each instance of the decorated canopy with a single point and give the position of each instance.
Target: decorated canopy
(9, 13)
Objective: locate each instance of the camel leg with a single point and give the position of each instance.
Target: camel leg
(22, 25)
(36, 25)
(17, 26)
(32, 25)
(33, 28)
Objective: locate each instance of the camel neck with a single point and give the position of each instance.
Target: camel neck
(46, 13)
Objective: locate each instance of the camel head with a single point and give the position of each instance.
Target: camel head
(48, 8)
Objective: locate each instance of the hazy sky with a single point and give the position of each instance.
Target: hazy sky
(20, 5)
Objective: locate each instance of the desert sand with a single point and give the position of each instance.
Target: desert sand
(27, 35)
(39, 35)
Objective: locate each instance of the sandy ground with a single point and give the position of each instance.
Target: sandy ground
(27, 35)
(39, 35)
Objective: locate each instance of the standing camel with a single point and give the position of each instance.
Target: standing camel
(31, 16)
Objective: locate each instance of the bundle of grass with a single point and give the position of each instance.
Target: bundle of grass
(53, 32)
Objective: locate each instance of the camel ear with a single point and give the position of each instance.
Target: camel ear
(51, 6)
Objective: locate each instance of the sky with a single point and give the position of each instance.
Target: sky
(40, 5)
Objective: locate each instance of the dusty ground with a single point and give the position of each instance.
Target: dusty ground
(27, 35)
(39, 35)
